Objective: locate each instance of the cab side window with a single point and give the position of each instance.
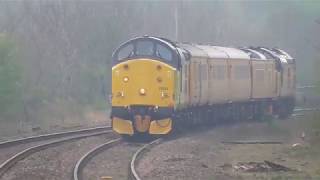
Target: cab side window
(163, 52)
(125, 52)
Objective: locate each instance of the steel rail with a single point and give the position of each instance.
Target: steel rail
(77, 171)
(51, 136)
(305, 109)
(5, 166)
(133, 173)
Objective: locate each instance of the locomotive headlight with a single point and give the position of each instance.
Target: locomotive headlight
(142, 91)
(126, 67)
(125, 79)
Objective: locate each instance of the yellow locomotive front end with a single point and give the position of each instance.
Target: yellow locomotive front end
(143, 88)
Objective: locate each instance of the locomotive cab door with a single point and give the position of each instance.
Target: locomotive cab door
(184, 80)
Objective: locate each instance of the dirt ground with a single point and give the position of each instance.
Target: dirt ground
(13, 129)
(201, 155)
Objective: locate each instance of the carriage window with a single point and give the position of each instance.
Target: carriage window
(125, 52)
(144, 48)
(163, 52)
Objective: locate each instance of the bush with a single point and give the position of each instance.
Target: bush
(10, 94)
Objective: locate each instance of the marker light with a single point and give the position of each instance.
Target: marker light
(142, 91)
(159, 67)
(125, 79)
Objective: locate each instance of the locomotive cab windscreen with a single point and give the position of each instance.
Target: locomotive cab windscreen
(147, 47)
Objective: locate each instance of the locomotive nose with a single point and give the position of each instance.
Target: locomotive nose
(143, 97)
(142, 82)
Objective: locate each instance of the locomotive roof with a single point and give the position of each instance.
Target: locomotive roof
(283, 53)
(221, 52)
(214, 51)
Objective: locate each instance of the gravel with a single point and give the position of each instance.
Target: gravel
(196, 155)
(7, 152)
(201, 155)
(113, 162)
(54, 163)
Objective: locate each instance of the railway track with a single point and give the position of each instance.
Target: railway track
(133, 174)
(49, 140)
(305, 109)
(44, 142)
(77, 172)
(51, 136)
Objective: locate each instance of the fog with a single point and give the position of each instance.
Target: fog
(62, 49)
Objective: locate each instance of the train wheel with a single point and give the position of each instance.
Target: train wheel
(236, 113)
(257, 111)
(126, 137)
(285, 108)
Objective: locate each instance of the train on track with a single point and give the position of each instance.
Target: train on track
(159, 85)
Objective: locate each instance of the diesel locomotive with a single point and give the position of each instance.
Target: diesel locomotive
(158, 84)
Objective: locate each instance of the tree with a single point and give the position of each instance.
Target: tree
(9, 78)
